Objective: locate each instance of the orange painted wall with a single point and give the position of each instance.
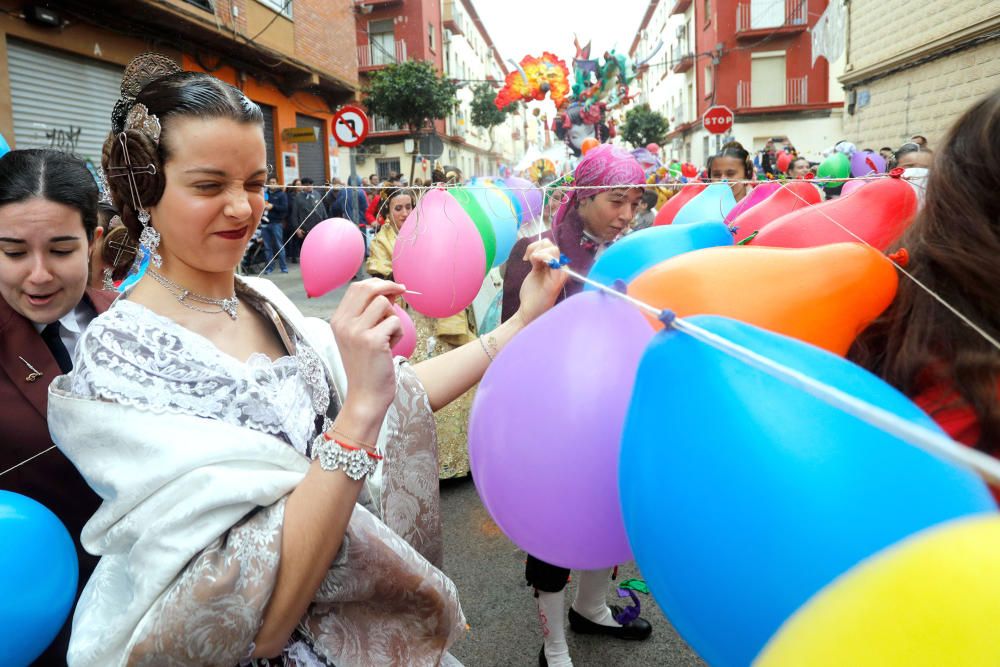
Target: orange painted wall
(285, 108)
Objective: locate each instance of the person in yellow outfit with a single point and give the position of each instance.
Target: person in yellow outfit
(434, 337)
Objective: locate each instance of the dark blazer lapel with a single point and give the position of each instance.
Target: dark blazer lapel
(19, 339)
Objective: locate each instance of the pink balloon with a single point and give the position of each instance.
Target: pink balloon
(331, 255)
(408, 343)
(544, 451)
(439, 254)
(756, 196)
(851, 186)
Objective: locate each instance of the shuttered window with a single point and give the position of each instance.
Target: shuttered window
(312, 158)
(60, 100)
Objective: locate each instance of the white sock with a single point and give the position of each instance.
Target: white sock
(552, 615)
(592, 596)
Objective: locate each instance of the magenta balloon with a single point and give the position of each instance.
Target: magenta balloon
(756, 196)
(439, 255)
(331, 255)
(851, 186)
(546, 426)
(405, 346)
(865, 164)
(521, 188)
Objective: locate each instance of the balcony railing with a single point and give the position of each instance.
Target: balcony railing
(379, 124)
(769, 94)
(767, 15)
(680, 6)
(379, 55)
(681, 59)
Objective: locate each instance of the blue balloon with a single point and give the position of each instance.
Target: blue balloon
(745, 496)
(38, 578)
(712, 204)
(635, 253)
(505, 221)
(4, 146)
(515, 202)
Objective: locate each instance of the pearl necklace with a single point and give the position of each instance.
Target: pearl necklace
(186, 296)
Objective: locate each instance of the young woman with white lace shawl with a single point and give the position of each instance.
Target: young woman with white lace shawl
(247, 516)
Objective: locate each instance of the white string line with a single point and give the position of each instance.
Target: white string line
(968, 322)
(678, 184)
(934, 443)
(30, 458)
(277, 252)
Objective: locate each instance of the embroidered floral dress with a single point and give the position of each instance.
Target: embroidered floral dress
(194, 453)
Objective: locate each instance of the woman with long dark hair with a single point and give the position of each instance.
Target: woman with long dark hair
(950, 369)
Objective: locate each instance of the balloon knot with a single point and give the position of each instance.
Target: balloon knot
(809, 176)
(559, 263)
(897, 172)
(734, 229)
(667, 316)
(901, 257)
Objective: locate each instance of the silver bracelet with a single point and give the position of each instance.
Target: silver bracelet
(491, 355)
(331, 456)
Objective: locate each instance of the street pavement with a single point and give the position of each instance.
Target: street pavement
(489, 572)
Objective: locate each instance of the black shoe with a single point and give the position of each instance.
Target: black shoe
(638, 629)
(542, 660)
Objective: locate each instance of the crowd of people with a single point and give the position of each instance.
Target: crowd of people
(246, 485)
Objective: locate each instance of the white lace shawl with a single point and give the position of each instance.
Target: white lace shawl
(185, 457)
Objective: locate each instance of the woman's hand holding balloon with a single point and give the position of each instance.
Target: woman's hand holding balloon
(366, 328)
(542, 286)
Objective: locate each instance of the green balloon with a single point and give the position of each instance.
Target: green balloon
(483, 224)
(674, 169)
(835, 166)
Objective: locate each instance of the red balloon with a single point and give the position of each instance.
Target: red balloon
(877, 213)
(784, 161)
(667, 212)
(689, 170)
(653, 148)
(790, 197)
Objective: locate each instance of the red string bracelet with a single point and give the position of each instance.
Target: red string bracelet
(351, 448)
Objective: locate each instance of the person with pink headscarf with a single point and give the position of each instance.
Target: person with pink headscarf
(600, 206)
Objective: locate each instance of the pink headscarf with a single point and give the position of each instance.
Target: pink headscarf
(606, 166)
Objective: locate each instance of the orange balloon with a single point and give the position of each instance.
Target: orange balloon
(825, 295)
(588, 143)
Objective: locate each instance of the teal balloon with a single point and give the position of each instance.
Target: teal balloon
(743, 496)
(4, 146)
(712, 204)
(499, 209)
(38, 578)
(644, 249)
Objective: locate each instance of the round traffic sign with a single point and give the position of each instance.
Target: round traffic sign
(350, 126)
(718, 119)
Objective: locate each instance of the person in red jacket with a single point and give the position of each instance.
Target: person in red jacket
(948, 368)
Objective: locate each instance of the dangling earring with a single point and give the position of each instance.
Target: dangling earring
(109, 283)
(149, 239)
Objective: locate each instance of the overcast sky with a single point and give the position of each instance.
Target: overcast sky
(528, 27)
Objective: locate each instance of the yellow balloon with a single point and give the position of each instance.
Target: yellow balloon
(933, 599)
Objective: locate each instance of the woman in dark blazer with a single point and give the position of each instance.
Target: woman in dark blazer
(48, 213)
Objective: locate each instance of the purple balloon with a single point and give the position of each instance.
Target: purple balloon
(865, 164)
(546, 427)
(528, 195)
(756, 196)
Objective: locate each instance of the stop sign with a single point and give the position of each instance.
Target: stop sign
(718, 119)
